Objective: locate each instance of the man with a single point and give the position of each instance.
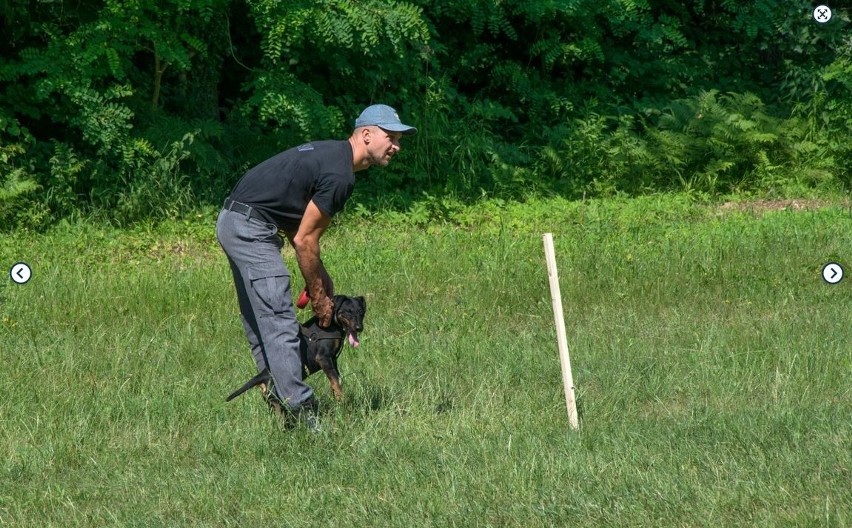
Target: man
(295, 193)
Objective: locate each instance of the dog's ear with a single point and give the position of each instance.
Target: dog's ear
(363, 303)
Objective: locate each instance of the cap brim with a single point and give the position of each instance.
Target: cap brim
(405, 130)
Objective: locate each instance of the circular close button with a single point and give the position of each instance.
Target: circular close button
(822, 14)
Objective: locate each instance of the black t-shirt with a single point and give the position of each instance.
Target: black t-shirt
(282, 186)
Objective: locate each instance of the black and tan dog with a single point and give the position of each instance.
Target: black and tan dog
(320, 347)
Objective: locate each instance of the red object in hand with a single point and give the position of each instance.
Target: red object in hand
(304, 299)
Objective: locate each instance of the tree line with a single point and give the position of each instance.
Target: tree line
(142, 109)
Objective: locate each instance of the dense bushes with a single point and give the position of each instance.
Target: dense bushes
(142, 109)
(713, 143)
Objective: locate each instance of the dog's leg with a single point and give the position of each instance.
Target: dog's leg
(335, 387)
(330, 368)
(275, 405)
(271, 400)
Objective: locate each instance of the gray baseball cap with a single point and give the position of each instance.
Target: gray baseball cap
(385, 118)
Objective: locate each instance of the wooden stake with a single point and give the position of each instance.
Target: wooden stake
(561, 338)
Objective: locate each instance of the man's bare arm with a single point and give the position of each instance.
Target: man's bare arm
(306, 243)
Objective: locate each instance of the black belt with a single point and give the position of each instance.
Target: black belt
(249, 211)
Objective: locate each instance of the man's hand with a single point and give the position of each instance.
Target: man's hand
(323, 309)
(321, 292)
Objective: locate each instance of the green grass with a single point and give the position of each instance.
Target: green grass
(713, 369)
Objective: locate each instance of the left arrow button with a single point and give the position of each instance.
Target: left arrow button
(21, 273)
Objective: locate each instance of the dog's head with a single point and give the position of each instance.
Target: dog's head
(349, 313)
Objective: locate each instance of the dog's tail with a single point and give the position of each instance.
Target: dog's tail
(262, 377)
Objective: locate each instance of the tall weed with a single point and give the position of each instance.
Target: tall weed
(17, 184)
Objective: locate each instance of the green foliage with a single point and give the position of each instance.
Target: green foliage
(17, 185)
(315, 53)
(66, 172)
(836, 112)
(281, 100)
(89, 82)
(717, 143)
(512, 99)
(712, 144)
(159, 189)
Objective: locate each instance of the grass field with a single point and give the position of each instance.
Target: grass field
(713, 369)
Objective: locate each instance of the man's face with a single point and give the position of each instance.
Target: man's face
(383, 146)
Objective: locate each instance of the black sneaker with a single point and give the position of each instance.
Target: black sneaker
(308, 415)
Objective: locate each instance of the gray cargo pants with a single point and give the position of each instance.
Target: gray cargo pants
(254, 248)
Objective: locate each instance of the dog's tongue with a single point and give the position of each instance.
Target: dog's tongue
(353, 340)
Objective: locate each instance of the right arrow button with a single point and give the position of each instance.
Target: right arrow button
(832, 273)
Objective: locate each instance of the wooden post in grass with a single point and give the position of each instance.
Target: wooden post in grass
(562, 339)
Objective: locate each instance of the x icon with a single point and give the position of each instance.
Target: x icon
(822, 14)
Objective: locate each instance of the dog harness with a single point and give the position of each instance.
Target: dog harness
(319, 334)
